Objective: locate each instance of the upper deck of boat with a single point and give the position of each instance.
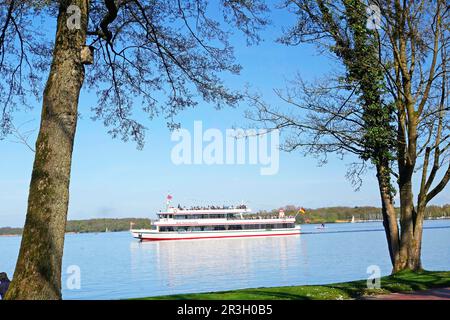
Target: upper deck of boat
(215, 210)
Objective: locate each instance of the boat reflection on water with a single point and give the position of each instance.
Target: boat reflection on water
(213, 264)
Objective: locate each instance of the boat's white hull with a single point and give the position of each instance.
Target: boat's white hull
(153, 235)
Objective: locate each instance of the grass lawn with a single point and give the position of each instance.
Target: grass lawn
(401, 282)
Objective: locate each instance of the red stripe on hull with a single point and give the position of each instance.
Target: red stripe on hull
(217, 237)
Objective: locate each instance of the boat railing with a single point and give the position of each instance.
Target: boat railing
(260, 218)
(240, 207)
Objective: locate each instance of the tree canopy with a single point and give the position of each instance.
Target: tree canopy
(150, 57)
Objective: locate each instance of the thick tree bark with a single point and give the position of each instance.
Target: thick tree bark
(411, 231)
(38, 269)
(415, 250)
(404, 245)
(388, 211)
(411, 223)
(406, 225)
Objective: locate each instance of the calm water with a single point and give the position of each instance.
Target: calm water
(115, 266)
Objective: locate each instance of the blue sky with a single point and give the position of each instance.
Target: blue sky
(111, 178)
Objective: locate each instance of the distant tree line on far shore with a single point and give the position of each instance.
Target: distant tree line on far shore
(93, 225)
(320, 215)
(345, 214)
(10, 231)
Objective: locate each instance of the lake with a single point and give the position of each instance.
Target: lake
(115, 266)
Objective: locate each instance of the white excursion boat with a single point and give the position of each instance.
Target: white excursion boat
(215, 222)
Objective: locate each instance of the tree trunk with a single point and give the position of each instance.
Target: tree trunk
(406, 222)
(388, 211)
(414, 259)
(38, 269)
(415, 250)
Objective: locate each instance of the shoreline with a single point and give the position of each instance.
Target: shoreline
(318, 223)
(68, 232)
(367, 221)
